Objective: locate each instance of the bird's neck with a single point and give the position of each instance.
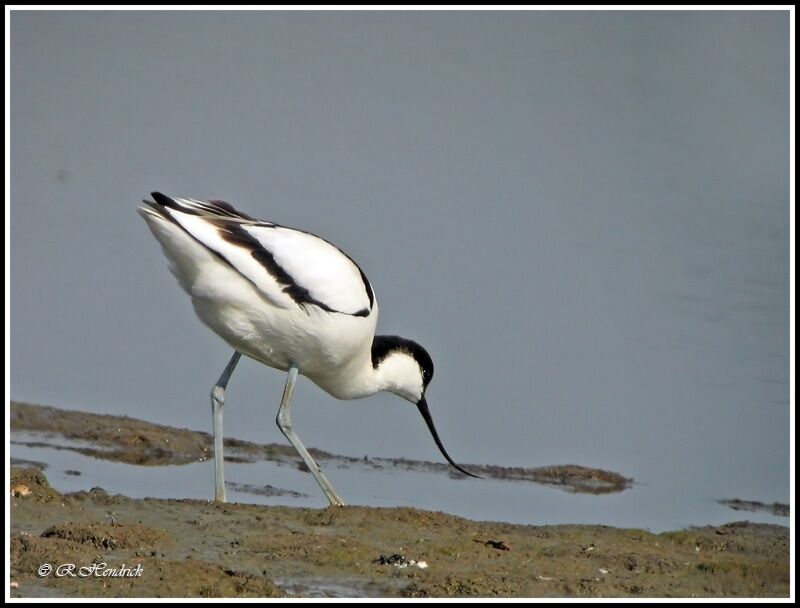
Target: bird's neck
(355, 380)
(366, 374)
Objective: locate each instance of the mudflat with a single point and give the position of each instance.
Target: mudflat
(92, 544)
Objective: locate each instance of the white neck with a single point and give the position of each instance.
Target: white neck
(397, 373)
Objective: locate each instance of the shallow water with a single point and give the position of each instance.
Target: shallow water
(654, 505)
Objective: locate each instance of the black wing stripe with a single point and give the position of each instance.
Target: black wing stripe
(367, 286)
(227, 209)
(166, 201)
(236, 235)
(214, 207)
(232, 232)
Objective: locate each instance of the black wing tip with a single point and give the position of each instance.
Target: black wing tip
(162, 199)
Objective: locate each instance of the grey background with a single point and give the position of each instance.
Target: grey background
(583, 216)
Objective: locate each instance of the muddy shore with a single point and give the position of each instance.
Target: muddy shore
(197, 548)
(190, 548)
(134, 441)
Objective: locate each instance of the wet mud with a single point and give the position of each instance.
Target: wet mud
(132, 441)
(193, 548)
(92, 544)
(776, 508)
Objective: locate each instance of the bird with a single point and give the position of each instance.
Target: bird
(292, 301)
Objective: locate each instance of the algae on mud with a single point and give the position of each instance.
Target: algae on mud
(133, 441)
(737, 504)
(193, 548)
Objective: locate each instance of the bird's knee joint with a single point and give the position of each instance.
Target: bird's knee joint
(218, 395)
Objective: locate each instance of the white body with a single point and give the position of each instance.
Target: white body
(247, 307)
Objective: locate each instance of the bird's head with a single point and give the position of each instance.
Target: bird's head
(407, 369)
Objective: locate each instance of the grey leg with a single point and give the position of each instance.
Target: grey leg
(217, 401)
(285, 425)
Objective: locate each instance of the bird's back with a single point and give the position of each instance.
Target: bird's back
(277, 294)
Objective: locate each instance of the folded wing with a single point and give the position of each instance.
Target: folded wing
(289, 267)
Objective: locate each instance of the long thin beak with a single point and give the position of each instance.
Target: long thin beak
(426, 414)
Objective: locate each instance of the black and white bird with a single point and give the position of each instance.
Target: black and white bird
(292, 301)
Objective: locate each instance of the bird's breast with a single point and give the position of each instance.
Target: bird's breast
(318, 342)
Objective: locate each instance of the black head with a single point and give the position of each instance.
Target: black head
(383, 346)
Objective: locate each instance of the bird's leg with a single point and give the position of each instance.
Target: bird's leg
(285, 425)
(217, 401)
